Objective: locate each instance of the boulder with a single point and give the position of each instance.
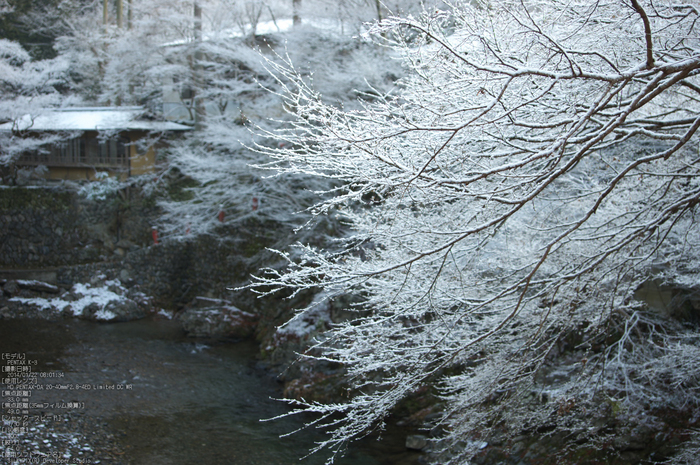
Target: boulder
(416, 442)
(37, 286)
(124, 310)
(671, 300)
(218, 321)
(114, 311)
(11, 288)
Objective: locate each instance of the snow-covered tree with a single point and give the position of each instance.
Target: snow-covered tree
(11, 28)
(28, 87)
(239, 93)
(535, 169)
(161, 42)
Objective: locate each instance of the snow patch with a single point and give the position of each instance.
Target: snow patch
(43, 304)
(88, 295)
(305, 322)
(164, 313)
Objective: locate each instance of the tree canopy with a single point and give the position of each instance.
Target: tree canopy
(11, 27)
(535, 168)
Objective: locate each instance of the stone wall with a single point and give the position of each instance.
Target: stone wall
(38, 228)
(55, 229)
(52, 226)
(172, 273)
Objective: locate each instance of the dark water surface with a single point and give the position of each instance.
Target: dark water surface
(171, 400)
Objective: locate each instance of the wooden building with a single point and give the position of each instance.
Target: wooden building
(98, 139)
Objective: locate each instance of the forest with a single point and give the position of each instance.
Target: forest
(503, 193)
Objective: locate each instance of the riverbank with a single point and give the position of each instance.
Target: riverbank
(146, 392)
(66, 439)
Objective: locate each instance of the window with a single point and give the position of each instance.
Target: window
(84, 151)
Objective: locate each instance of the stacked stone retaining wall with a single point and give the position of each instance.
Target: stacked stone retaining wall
(173, 274)
(39, 228)
(77, 239)
(54, 226)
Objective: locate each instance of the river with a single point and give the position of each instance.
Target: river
(168, 399)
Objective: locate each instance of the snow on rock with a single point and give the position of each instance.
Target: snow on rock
(38, 286)
(315, 317)
(100, 301)
(295, 336)
(205, 317)
(165, 314)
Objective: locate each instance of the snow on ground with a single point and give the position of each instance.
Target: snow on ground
(267, 27)
(85, 296)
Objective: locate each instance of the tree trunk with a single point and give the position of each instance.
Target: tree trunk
(130, 15)
(296, 12)
(198, 104)
(120, 13)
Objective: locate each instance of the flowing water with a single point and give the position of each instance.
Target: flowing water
(171, 400)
